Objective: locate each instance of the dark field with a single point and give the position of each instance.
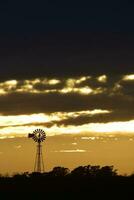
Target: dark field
(88, 182)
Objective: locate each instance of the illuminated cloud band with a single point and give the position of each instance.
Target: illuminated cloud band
(87, 104)
(44, 85)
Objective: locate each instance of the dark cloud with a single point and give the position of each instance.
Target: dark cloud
(41, 86)
(54, 102)
(45, 124)
(98, 118)
(38, 103)
(66, 54)
(120, 102)
(127, 88)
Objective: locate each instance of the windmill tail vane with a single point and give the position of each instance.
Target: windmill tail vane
(30, 135)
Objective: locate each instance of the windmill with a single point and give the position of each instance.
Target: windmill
(38, 136)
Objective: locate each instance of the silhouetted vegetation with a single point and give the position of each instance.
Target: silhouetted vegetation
(90, 181)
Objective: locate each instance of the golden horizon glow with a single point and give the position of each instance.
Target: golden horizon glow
(104, 129)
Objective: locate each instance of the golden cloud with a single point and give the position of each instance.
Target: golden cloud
(21, 124)
(129, 77)
(28, 86)
(102, 78)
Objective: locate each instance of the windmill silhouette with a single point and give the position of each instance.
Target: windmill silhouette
(38, 136)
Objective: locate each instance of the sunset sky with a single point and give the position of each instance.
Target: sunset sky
(68, 69)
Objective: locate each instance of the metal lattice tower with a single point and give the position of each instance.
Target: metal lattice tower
(38, 136)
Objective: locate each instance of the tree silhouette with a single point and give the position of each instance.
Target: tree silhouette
(80, 171)
(107, 171)
(94, 171)
(59, 171)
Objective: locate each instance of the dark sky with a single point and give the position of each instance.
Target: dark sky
(52, 38)
(41, 16)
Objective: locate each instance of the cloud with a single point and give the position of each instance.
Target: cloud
(127, 88)
(45, 85)
(128, 77)
(39, 103)
(100, 118)
(119, 127)
(17, 147)
(71, 151)
(68, 95)
(66, 55)
(61, 103)
(89, 138)
(102, 78)
(47, 120)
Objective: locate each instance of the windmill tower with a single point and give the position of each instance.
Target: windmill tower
(38, 136)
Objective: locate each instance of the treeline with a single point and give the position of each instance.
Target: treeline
(92, 181)
(81, 171)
